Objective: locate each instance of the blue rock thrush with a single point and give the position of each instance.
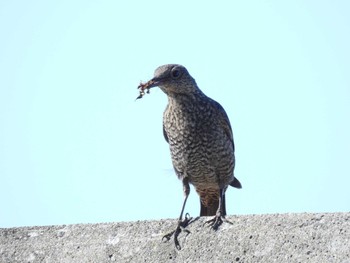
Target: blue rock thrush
(201, 142)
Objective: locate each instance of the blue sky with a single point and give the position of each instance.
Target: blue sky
(75, 146)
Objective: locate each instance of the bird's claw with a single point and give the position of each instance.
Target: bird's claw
(217, 221)
(182, 224)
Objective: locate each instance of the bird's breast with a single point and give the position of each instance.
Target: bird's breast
(198, 145)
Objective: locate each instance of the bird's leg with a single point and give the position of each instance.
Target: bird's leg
(181, 223)
(218, 219)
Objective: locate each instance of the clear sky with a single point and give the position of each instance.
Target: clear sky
(75, 146)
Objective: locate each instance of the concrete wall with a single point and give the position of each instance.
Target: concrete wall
(251, 238)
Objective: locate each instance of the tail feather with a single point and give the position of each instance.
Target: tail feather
(235, 183)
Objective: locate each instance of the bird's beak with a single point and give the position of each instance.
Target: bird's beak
(153, 83)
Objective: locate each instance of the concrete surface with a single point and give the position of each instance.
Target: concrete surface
(251, 238)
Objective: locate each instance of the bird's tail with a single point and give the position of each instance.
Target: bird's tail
(236, 183)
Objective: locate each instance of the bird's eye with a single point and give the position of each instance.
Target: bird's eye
(175, 73)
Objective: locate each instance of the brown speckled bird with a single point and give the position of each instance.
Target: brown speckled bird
(201, 143)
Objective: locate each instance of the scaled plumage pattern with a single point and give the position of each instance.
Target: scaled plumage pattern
(200, 139)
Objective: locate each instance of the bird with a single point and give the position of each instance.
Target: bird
(200, 140)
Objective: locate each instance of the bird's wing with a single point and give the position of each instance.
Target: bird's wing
(225, 123)
(165, 135)
(164, 131)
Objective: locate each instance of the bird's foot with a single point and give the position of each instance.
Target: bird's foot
(216, 221)
(181, 226)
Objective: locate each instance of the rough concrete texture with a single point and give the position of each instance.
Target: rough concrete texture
(251, 238)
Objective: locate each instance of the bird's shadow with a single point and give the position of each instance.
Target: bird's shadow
(193, 220)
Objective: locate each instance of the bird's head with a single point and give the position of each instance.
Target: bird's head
(173, 79)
